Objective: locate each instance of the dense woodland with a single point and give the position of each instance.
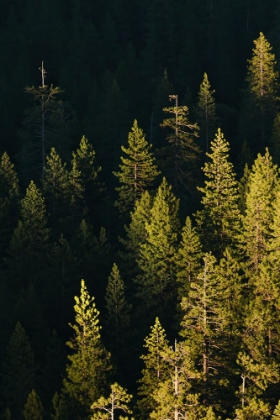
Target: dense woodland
(139, 209)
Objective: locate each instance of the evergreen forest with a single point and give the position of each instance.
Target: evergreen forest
(139, 209)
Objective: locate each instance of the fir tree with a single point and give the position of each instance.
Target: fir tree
(137, 171)
(89, 363)
(33, 409)
(219, 221)
(206, 113)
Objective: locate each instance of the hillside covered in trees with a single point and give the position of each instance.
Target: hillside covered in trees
(140, 210)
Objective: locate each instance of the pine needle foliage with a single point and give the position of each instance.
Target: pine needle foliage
(137, 170)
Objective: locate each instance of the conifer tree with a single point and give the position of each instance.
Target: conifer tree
(257, 221)
(188, 258)
(33, 409)
(174, 397)
(30, 240)
(219, 221)
(89, 363)
(45, 125)
(260, 98)
(211, 325)
(118, 400)
(117, 310)
(255, 409)
(63, 269)
(135, 234)
(276, 412)
(56, 189)
(182, 149)
(206, 113)
(153, 373)
(156, 281)
(9, 198)
(17, 375)
(84, 161)
(137, 170)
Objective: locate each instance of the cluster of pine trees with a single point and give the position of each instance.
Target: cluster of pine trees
(182, 263)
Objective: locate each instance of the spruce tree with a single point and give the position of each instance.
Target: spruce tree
(219, 221)
(89, 364)
(206, 113)
(137, 170)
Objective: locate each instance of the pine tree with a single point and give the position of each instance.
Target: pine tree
(174, 397)
(256, 409)
(260, 98)
(156, 281)
(89, 363)
(257, 221)
(137, 171)
(153, 373)
(118, 400)
(206, 113)
(219, 221)
(182, 151)
(33, 409)
(211, 324)
(17, 375)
